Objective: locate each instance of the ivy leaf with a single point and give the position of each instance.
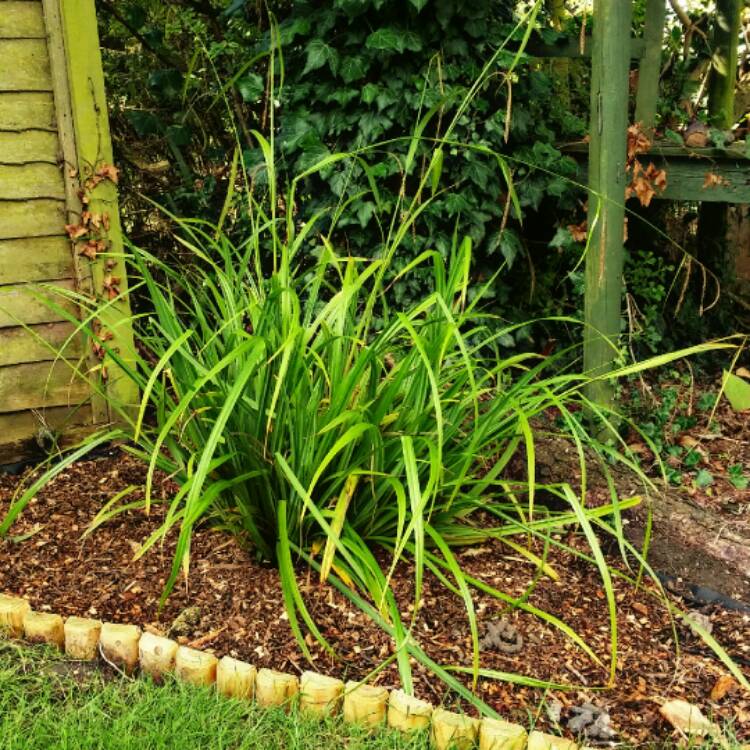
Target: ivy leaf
(373, 125)
(318, 54)
(391, 39)
(418, 4)
(510, 246)
(251, 87)
(353, 68)
(311, 155)
(369, 92)
(365, 211)
(455, 203)
(144, 123)
(737, 391)
(166, 82)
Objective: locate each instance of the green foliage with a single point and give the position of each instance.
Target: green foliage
(736, 475)
(355, 73)
(648, 279)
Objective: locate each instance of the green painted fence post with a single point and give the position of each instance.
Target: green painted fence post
(610, 57)
(649, 71)
(88, 107)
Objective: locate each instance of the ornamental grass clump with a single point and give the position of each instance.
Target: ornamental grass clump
(296, 408)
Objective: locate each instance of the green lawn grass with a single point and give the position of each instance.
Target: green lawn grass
(45, 707)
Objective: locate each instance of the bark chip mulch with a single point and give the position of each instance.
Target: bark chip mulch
(232, 604)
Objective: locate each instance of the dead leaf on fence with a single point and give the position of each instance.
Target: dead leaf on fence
(714, 180)
(109, 172)
(638, 142)
(580, 231)
(646, 183)
(75, 231)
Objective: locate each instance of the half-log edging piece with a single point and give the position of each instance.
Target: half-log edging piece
(127, 648)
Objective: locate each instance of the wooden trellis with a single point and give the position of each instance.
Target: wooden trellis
(54, 135)
(611, 53)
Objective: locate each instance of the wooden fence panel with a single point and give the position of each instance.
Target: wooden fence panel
(21, 19)
(23, 110)
(40, 350)
(40, 343)
(24, 65)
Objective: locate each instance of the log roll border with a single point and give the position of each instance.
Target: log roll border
(129, 650)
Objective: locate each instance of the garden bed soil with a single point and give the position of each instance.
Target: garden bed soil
(237, 608)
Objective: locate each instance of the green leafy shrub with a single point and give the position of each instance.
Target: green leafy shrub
(357, 72)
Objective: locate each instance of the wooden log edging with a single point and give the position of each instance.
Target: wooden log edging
(129, 649)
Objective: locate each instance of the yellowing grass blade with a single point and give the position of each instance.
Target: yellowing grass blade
(337, 523)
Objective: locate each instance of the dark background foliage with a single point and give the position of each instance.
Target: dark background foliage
(188, 82)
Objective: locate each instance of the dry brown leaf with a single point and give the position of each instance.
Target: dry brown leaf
(75, 231)
(638, 141)
(743, 372)
(688, 719)
(579, 232)
(724, 685)
(714, 180)
(109, 172)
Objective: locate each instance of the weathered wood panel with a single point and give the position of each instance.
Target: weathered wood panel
(21, 425)
(27, 109)
(26, 181)
(32, 303)
(39, 384)
(701, 174)
(22, 431)
(21, 19)
(40, 218)
(24, 65)
(29, 145)
(702, 180)
(39, 344)
(52, 112)
(35, 259)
